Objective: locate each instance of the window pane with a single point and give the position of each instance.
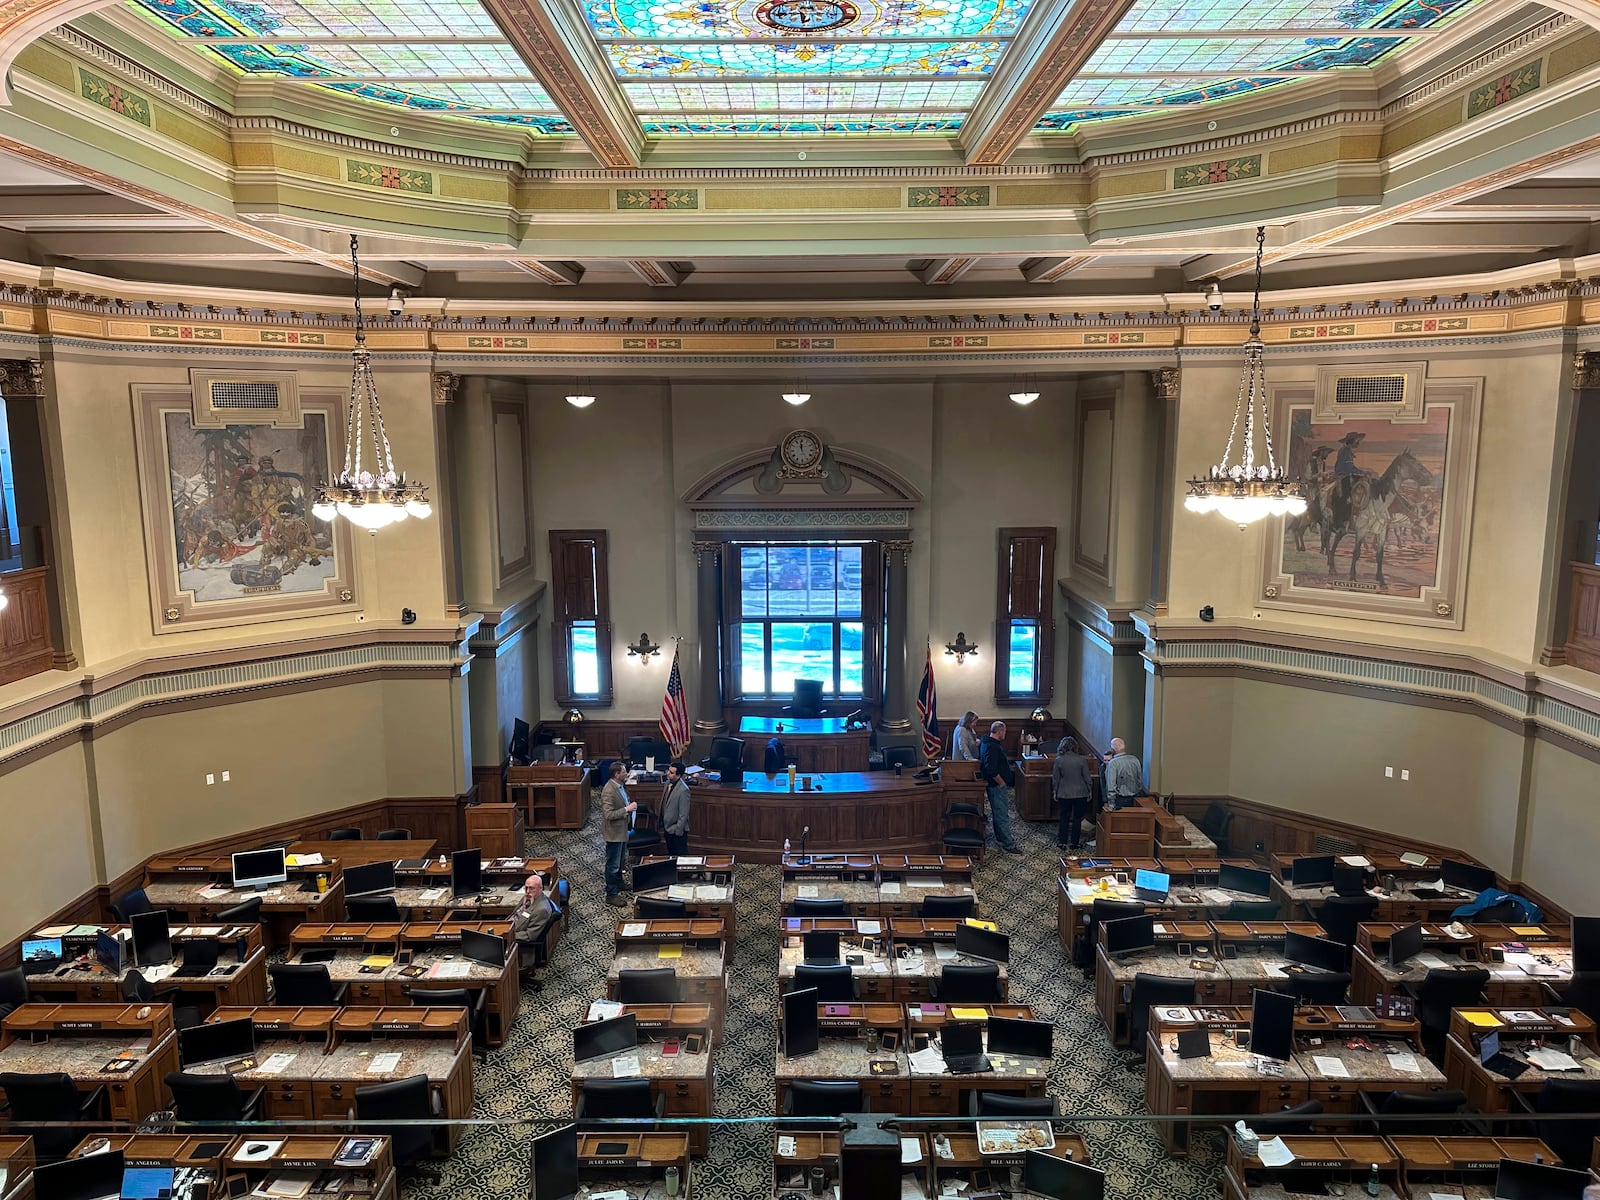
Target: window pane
(752, 659)
(584, 656)
(849, 581)
(819, 582)
(851, 682)
(786, 582)
(801, 650)
(753, 581)
(1022, 668)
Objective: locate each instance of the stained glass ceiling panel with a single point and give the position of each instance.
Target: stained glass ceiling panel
(736, 59)
(770, 20)
(282, 19)
(747, 96)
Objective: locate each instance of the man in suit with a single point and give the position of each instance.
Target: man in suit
(995, 768)
(675, 811)
(530, 921)
(615, 809)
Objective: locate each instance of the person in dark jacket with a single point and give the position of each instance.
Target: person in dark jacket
(675, 811)
(1072, 785)
(995, 768)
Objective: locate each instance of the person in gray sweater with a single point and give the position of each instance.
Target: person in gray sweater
(1072, 784)
(675, 811)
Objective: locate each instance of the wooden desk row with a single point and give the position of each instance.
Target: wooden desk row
(898, 959)
(1409, 1166)
(685, 1082)
(940, 1162)
(1521, 960)
(876, 868)
(240, 976)
(1194, 894)
(1145, 829)
(1520, 1030)
(85, 1040)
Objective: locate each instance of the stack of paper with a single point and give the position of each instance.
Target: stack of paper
(625, 1066)
(1547, 1059)
(603, 1010)
(681, 891)
(889, 889)
(927, 1061)
(382, 1064)
(710, 893)
(633, 929)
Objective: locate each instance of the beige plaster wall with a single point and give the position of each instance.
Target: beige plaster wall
(1563, 813)
(47, 813)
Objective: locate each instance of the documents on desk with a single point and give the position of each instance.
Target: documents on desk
(603, 1010)
(276, 1064)
(927, 1061)
(382, 1064)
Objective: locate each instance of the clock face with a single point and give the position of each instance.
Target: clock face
(802, 449)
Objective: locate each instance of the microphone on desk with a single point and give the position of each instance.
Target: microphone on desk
(804, 834)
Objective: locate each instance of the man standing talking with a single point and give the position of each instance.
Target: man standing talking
(1124, 776)
(615, 809)
(995, 768)
(675, 811)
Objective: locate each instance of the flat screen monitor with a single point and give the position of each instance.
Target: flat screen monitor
(1244, 879)
(1315, 952)
(1130, 933)
(1015, 1035)
(152, 938)
(1518, 1180)
(807, 701)
(1272, 1025)
(1349, 880)
(1466, 876)
(218, 1041)
(555, 1165)
(41, 949)
(1315, 871)
(649, 877)
(521, 737)
(604, 1039)
(108, 952)
(260, 868)
(978, 942)
(1585, 944)
(92, 1177)
(1044, 1174)
(147, 1183)
(369, 879)
(820, 946)
(486, 948)
(466, 872)
(1405, 944)
(800, 1022)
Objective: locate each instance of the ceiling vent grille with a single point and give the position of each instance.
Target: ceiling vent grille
(245, 397)
(1370, 389)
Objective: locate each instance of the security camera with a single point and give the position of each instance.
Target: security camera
(1214, 296)
(397, 302)
(1208, 613)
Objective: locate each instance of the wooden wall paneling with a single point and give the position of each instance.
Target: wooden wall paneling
(490, 785)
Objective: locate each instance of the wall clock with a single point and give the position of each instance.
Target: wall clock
(801, 450)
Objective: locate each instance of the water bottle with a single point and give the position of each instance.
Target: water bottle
(672, 1181)
(1373, 1186)
(786, 845)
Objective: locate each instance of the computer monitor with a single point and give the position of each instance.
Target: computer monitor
(1016, 1035)
(647, 877)
(218, 1041)
(152, 938)
(466, 872)
(820, 946)
(1519, 1180)
(1349, 880)
(1127, 934)
(1585, 944)
(1044, 1174)
(807, 700)
(486, 948)
(603, 1039)
(41, 950)
(1244, 879)
(108, 951)
(92, 1177)
(978, 942)
(1466, 876)
(147, 1183)
(368, 879)
(260, 869)
(1272, 1025)
(554, 1168)
(800, 1022)
(1314, 871)
(1315, 952)
(1405, 944)
(521, 739)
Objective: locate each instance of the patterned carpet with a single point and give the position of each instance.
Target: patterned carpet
(525, 1084)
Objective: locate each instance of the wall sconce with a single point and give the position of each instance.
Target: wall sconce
(643, 648)
(961, 648)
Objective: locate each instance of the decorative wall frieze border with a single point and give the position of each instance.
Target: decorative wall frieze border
(1554, 25)
(501, 627)
(330, 137)
(796, 518)
(79, 43)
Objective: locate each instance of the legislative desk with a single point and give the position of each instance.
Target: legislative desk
(686, 1082)
(882, 886)
(852, 810)
(196, 889)
(1561, 1029)
(360, 853)
(1408, 1166)
(1077, 892)
(1144, 829)
(220, 1159)
(312, 1060)
(922, 948)
(634, 1164)
(556, 795)
(16, 1166)
(1530, 957)
(436, 962)
(863, 946)
(1402, 906)
(845, 1053)
(238, 978)
(812, 744)
(1183, 950)
(703, 891)
(83, 1039)
(695, 949)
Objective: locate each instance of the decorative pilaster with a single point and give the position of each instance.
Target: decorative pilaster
(896, 698)
(1165, 384)
(708, 585)
(444, 386)
(1586, 369)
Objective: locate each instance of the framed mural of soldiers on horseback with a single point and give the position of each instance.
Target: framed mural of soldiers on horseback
(1388, 486)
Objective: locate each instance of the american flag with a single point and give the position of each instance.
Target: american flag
(928, 709)
(675, 712)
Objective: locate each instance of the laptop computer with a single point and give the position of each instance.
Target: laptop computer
(1496, 1060)
(962, 1042)
(820, 947)
(1152, 886)
(199, 957)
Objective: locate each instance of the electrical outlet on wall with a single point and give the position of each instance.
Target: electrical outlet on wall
(1404, 774)
(225, 777)
(1388, 772)
(210, 778)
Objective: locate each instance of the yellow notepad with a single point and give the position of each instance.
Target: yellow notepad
(1527, 930)
(1485, 1020)
(968, 1014)
(378, 960)
(977, 924)
(670, 951)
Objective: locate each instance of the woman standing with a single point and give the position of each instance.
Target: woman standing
(1073, 784)
(964, 741)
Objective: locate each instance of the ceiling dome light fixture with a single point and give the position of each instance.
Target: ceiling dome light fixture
(580, 400)
(797, 398)
(382, 496)
(1024, 397)
(1245, 491)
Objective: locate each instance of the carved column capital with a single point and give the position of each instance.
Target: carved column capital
(902, 549)
(703, 550)
(1165, 383)
(1586, 369)
(444, 386)
(23, 377)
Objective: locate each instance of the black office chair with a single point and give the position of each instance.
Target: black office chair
(1439, 991)
(1389, 1112)
(13, 990)
(963, 838)
(1103, 910)
(246, 912)
(806, 702)
(833, 981)
(393, 835)
(727, 754)
(131, 904)
(1582, 993)
(1215, 824)
(53, 1097)
(643, 747)
(901, 756)
(212, 1097)
(649, 907)
(618, 1100)
(136, 989)
(1318, 987)
(645, 836)
(1571, 1139)
(1148, 990)
(1291, 1119)
(407, 1101)
(823, 1098)
(305, 985)
(657, 985)
(818, 908)
(1339, 917)
(947, 907)
(967, 983)
(1251, 910)
(347, 834)
(1004, 1104)
(373, 908)
(474, 1000)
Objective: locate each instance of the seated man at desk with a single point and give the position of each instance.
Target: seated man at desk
(529, 923)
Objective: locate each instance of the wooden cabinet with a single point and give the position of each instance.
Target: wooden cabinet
(496, 829)
(554, 795)
(1035, 797)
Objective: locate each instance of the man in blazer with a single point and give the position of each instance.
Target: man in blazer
(675, 811)
(615, 809)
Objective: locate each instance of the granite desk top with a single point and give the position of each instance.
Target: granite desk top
(1083, 891)
(652, 1064)
(860, 891)
(345, 967)
(91, 972)
(79, 1057)
(704, 893)
(1162, 959)
(186, 894)
(840, 1058)
(692, 963)
(433, 1057)
(1276, 1191)
(1228, 1064)
(917, 964)
(498, 899)
(636, 1189)
(1401, 1067)
(1529, 1081)
(1258, 967)
(1012, 1067)
(790, 957)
